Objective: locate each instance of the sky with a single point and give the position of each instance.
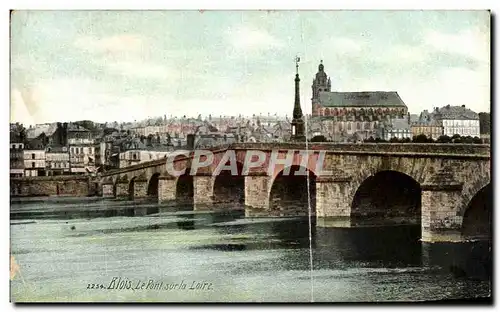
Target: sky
(130, 65)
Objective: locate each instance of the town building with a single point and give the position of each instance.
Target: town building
(431, 129)
(16, 156)
(345, 114)
(57, 161)
(34, 162)
(81, 150)
(209, 140)
(35, 131)
(458, 120)
(82, 159)
(398, 128)
(134, 157)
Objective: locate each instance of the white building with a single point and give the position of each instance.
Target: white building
(458, 120)
(397, 128)
(57, 161)
(34, 163)
(82, 159)
(134, 157)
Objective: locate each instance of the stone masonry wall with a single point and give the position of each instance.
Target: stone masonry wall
(121, 190)
(257, 195)
(440, 221)
(166, 189)
(140, 189)
(51, 186)
(107, 190)
(203, 191)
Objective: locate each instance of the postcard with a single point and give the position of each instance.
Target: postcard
(250, 156)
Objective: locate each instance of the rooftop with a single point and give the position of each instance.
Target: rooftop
(457, 113)
(361, 99)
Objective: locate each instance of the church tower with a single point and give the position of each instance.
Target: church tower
(298, 118)
(320, 83)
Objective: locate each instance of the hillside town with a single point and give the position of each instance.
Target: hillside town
(87, 148)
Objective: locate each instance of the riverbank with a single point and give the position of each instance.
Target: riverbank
(68, 186)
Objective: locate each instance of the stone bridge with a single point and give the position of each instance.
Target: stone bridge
(443, 187)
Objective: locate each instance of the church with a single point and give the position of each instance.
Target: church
(358, 115)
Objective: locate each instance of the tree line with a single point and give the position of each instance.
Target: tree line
(421, 138)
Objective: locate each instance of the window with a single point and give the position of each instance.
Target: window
(349, 126)
(32, 156)
(358, 125)
(134, 156)
(33, 165)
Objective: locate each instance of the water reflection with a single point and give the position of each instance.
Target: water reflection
(241, 254)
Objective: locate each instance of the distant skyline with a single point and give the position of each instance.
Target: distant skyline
(128, 65)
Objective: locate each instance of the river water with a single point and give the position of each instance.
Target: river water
(76, 250)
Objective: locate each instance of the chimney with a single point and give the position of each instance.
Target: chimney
(190, 141)
(463, 106)
(65, 133)
(59, 133)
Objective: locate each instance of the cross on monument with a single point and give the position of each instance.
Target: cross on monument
(297, 60)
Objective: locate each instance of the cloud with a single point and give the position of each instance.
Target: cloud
(344, 45)
(247, 38)
(470, 42)
(141, 70)
(111, 45)
(124, 55)
(18, 110)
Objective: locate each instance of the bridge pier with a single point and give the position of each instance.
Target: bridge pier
(166, 188)
(203, 191)
(257, 194)
(440, 197)
(333, 201)
(107, 189)
(121, 189)
(140, 187)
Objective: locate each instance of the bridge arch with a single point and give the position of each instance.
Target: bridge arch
(153, 185)
(477, 219)
(288, 194)
(387, 196)
(131, 184)
(230, 188)
(184, 188)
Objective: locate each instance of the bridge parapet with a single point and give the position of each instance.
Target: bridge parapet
(438, 149)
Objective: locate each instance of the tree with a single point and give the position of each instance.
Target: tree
(149, 140)
(394, 140)
(468, 139)
(406, 140)
(319, 138)
(456, 138)
(484, 123)
(370, 140)
(443, 139)
(477, 140)
(421, 138)
(22, 135)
